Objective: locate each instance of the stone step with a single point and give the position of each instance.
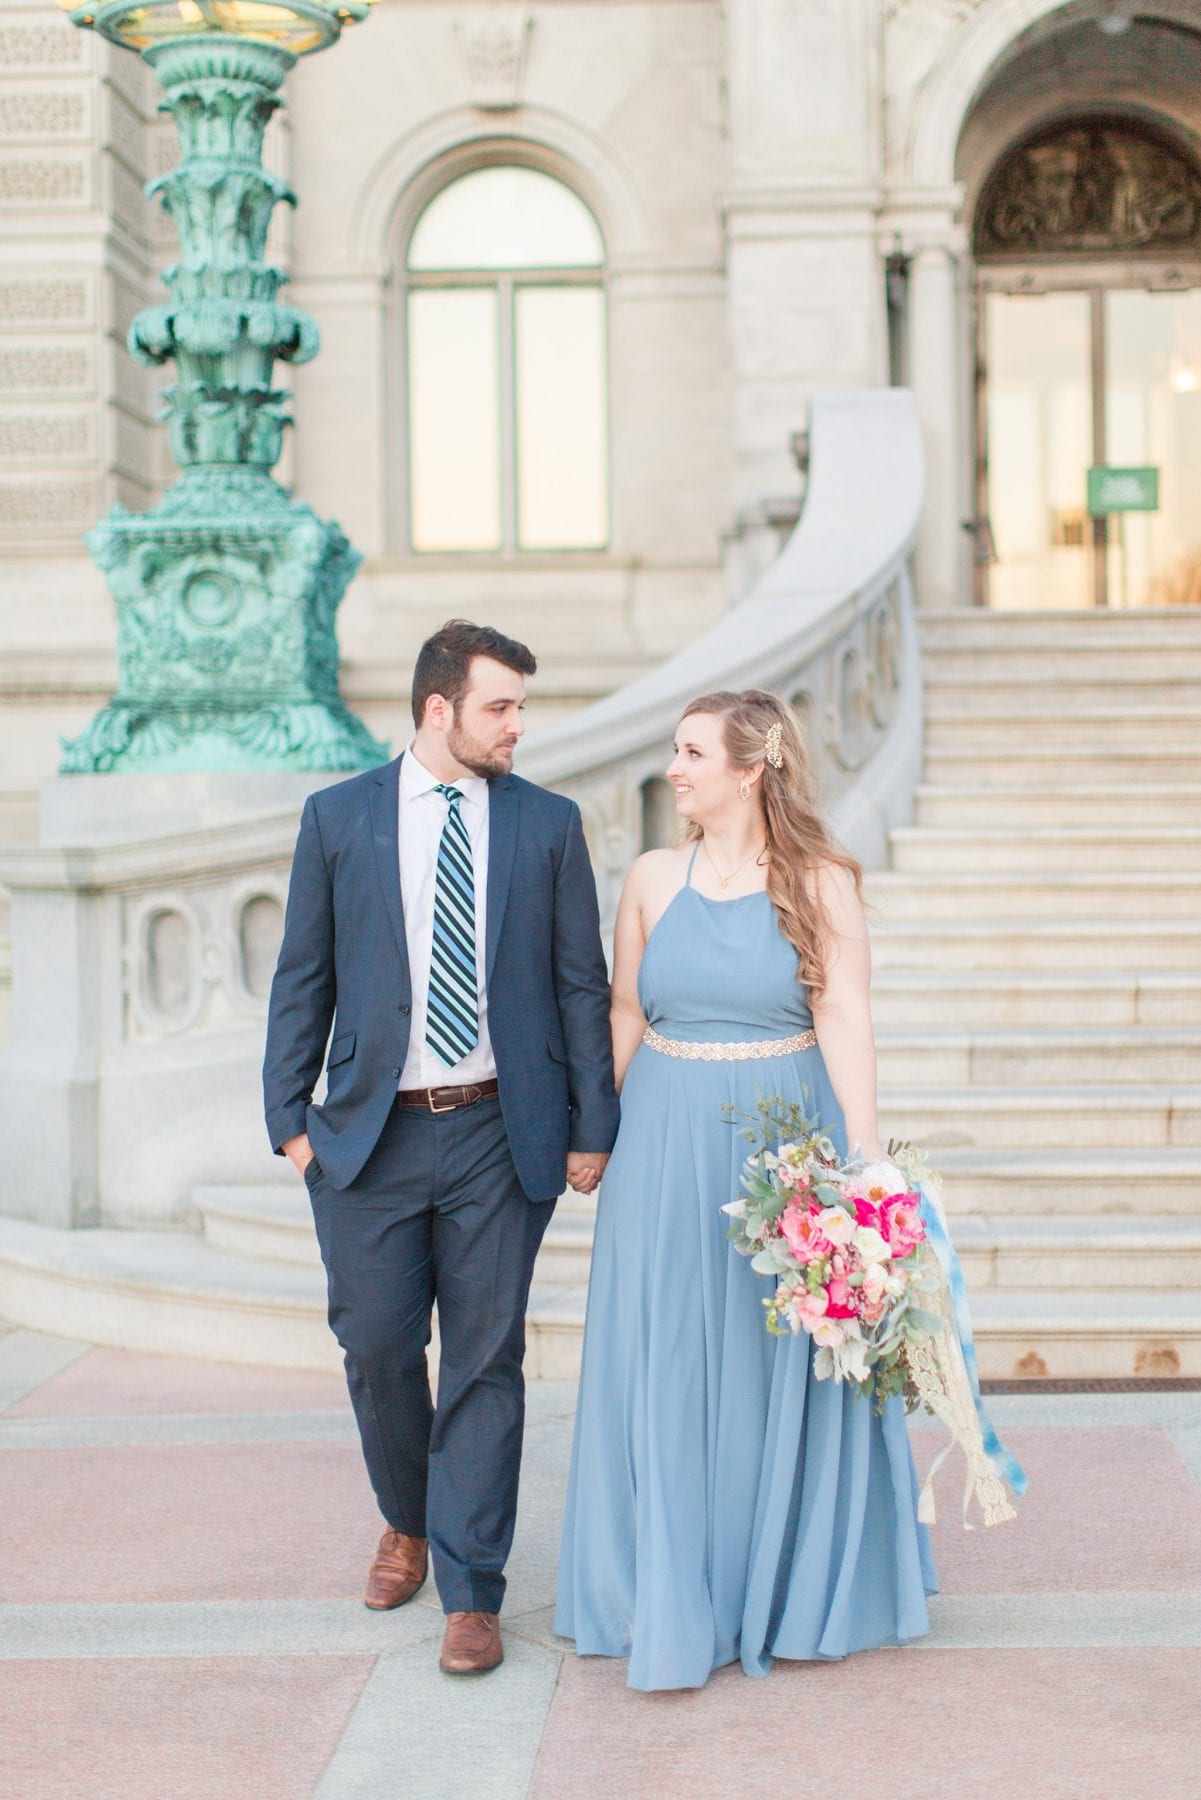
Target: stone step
(1093, 945)
(168, 1293)
(899, 899)
(270, 1222)
(1066, 1183)
(1048, 1002)
(1084, 1334)
(1102, 1116)
(973, 733)
(1022, 766)
(927, 849)
(1146, 805)
(1021, 1333)
(1167, 627)
(993, 689)
(1067, 662)
(1138, 1054)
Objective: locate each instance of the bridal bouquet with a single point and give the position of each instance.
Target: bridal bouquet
(864, 1264)
(845, 1243)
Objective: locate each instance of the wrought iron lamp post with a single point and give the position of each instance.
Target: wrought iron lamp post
(226, 591)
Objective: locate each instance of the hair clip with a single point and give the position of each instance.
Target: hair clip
(771, 749)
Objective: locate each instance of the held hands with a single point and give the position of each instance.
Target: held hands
(584, 1169)
(299, 1152)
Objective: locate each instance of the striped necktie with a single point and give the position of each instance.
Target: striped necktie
(452, 1025)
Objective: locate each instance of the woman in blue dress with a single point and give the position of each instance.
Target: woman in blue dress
(723, 1504)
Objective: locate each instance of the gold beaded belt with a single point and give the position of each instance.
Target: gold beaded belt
(806, 1040)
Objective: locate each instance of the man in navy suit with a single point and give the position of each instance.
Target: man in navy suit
(442, 919)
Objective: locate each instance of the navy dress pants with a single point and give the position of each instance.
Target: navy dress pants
(437, 1215)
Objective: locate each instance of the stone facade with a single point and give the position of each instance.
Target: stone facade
(766, 175)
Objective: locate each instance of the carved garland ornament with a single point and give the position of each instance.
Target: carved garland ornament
(1093, 187)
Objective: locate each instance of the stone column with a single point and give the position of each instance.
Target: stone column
(937, 358)
(805, 289)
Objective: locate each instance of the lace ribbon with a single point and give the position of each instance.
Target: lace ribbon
(945, 1374)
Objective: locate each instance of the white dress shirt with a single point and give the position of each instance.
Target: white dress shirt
(422, 816)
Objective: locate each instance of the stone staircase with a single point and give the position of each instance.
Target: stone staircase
(1037, 995)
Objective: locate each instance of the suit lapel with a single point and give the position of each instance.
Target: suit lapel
(504, 804)
(385, 826)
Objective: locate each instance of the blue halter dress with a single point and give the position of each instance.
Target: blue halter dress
(722, 1504)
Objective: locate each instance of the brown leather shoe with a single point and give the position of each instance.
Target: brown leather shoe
(472, 1644)
(400, 1566)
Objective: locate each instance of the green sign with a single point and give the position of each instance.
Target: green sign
(1112, 490)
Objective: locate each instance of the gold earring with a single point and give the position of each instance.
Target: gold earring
(744, 789)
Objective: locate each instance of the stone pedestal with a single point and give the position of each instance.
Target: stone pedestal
(145, 927)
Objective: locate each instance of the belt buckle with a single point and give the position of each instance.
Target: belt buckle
(429, 1098)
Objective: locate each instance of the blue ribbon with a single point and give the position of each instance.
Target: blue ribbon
(1007, 1466)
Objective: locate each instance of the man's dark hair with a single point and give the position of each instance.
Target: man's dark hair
(444, 661)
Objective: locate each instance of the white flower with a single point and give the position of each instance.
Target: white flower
(870, 1244)
(884, 1175)
(829, 1332)
(836, 1224)
(875, 1281)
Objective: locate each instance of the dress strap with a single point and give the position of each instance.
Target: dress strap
(691, 860)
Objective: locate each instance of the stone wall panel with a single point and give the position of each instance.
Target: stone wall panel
(46, 181)
(45, 300)
(30, 368)
(46, 437)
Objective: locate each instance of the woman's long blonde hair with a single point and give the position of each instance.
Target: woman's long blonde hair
(798, 842)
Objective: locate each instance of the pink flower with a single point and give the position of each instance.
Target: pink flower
(902, 1225)
(803, 1235)
(866, 1212)
(809, 1308)
(840, 1298)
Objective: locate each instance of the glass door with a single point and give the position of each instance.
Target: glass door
(1075, 376)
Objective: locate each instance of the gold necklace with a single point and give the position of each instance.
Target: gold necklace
(723, 881)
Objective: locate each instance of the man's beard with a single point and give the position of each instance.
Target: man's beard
(473, 756)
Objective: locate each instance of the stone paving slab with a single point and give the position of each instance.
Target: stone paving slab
(182, 1547)
(1053, 1725)
(223, 1729)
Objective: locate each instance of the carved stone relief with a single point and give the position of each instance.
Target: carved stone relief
(1094, 186)
(200, 956)
(43, 301)
(51, 46)
(41, 437)
(42, 182)
(493, 46)
(43, 114)
(63, 504)
(35, 368)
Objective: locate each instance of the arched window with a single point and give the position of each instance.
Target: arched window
(507, 401)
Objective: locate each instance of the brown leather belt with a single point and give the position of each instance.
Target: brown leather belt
(448, 1099)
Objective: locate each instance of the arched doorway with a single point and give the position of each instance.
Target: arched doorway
(1087, 245)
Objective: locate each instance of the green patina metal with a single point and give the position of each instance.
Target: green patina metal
(226, 591)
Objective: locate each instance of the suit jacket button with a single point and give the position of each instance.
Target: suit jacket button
(396, 1072)
(405, 1009)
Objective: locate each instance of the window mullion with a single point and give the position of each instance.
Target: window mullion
(507, 423)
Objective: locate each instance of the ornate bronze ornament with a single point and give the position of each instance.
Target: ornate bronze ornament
(1091, 187)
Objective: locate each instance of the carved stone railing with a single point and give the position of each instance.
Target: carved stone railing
(141, 968)
(830, 626)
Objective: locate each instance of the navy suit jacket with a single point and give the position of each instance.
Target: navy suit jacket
(344, 964)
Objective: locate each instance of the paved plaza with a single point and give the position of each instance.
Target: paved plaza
(183, 1546)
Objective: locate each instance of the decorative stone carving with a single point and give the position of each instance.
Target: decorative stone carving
(35, 367)
(1095, 186)
(493, 46)
(42, 182)
(43, 301)
(42, 114)
(62, 504)
(200, 955)
(34, 437)
(50, 46)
